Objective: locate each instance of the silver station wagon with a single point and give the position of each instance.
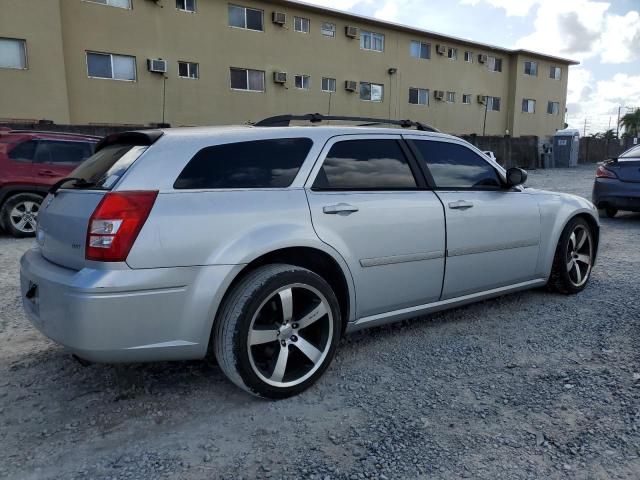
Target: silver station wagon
(265, 244)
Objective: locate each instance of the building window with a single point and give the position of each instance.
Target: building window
(452, 53)
(302, 82)
(493, 104)
(528, 105)
(494, 64)
(188, 70)
(328, 84)
(113, 3)
(531, 68)
(13, 53)
(418, 96)
(186, 5)
(553, 108)
(468, 56)
(301, 24)
(328, 29)
(372, 41)
(466, 98)
(114, 67)
(451, 97)
(246, 79)
(420, 50)
(247, 18)
(555, 73)
(371, 92)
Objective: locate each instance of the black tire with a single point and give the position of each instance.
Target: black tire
(9, 222)
(563, 279)
(610, 212)
(260, 291)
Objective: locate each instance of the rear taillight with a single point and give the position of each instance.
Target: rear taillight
(603, 172)
(115, 224)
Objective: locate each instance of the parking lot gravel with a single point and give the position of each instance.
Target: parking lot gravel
(530, 385)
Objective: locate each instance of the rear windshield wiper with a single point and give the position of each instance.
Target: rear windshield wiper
(78, 183)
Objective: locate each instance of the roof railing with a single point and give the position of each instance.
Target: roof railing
(285, 121)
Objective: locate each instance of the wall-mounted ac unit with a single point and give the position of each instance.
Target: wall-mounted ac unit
(351, 32)
(438, 94)
(280, 77)
(279, 18)
(350, 85)
(482, 58)
(157, 65)
(441, 49)
(481, 99)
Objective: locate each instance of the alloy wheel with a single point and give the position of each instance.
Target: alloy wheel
(24, 216)
(579, 255)
(290, 335)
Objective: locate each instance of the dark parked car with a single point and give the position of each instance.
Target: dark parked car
(617, 184)
(30, 162)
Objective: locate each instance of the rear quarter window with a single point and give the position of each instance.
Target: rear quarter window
(105, 167)
(270, 163)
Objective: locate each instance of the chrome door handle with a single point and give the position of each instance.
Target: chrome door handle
(460, 205)
(339, 208)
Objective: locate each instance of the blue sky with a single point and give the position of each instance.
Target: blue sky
(603, 35)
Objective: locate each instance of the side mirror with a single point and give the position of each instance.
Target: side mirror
(516, 176)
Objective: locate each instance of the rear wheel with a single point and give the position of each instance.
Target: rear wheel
(278, 330)
(573, 259)
(19, 214)
(610, 212)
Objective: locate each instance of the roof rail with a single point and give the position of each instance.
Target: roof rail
(49, 132)
(285, 120)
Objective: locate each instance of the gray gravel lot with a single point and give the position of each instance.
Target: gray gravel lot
(532, 385)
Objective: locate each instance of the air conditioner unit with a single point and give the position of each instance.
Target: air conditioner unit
(482, 58)
(157, 65)
(481, 99)
(441, 49)
(350, 85)
(279, 18)
(438, 94)
(351, 32)
(280, 77)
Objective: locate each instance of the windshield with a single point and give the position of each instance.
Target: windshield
(104, 168)
(631, 153)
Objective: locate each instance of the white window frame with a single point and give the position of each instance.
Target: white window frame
(468, 56)
(531, 64)
(302, 21)
(552, 72)
(424, 91)
(465, 97)
(184, 8)
(107, 4)
(420, 45)
(491, 104)
(530, 102)
(450, 97)
(189, 64)
(304, 79)
(549, 104)
(452, 53)
(332, 29)
(247, 70)
(111, 55)
(491, 63)
(329, 80)
(25, 58)
(372, 35)
(371, 84)
(245, 17)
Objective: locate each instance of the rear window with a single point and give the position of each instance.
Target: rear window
(104, 168)
(632, 153)
(257, 164)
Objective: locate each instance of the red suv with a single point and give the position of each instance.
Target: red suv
(30, 162)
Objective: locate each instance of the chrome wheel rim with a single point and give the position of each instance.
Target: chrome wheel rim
(24, 216)
(579, 256)
(290, 335)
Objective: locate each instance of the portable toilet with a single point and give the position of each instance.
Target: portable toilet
(566, 144)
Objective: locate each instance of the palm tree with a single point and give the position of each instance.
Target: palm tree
(608, 135)
(631, 123)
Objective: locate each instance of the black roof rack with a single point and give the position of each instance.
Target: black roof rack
(285, 120)
(49, 132)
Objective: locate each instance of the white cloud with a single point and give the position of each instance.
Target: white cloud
(516, 8)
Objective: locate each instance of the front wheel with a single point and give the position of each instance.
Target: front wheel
(277, 331)
(573, 258)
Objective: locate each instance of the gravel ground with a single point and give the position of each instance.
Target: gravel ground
(532, 385)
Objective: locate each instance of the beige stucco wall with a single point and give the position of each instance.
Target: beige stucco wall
(151, 30)
(39, 91)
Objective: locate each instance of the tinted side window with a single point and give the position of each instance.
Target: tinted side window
(24, 152)
(63, 152)
(365, 165)
(257, 164)
(456, 166)
(632, 153)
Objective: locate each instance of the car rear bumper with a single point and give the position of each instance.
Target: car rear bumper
(124, 315)
(609, 192)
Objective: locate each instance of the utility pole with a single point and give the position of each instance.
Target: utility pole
(585, 128)
(618, 124)
(486, 107)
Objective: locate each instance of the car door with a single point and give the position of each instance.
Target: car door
(370, 203)
(20, 165)
(493, 232)
(55, 159)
